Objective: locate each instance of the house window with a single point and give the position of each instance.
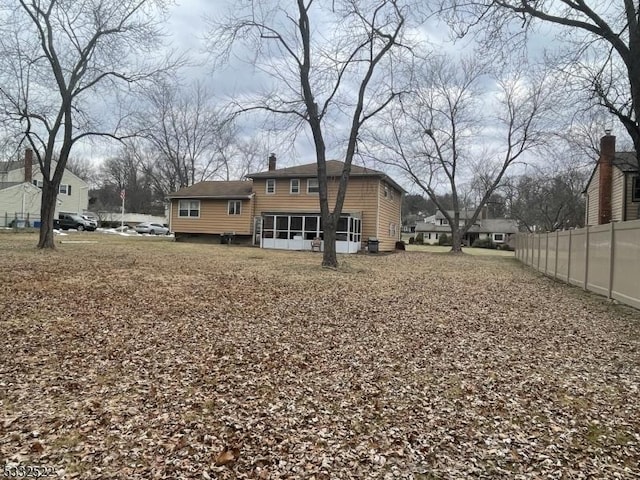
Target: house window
(498, 237)
(386, 192)
(392, 229)
(38, 183)
(312, 185)
(444, 221)
(189, 208)
(635, 189)
(294, 185)
(235, 207)
(271, 186)
(64, 189)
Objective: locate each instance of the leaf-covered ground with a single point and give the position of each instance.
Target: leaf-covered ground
(152, 359)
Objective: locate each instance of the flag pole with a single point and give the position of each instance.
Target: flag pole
(122, 195)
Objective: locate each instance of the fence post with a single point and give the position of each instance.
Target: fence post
(586, 258)
(546, 255)
(555, 267)
(569, 259)
(539, 249)
(611, 259)
(533, 246)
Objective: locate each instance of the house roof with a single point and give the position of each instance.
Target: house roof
(334, 169)
(25, 185)
(626, 162)
(498, 225)
(4, 185)
(9, 165)
(216, 189)
(491, 225)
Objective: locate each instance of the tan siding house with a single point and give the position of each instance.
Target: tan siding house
(282, 209)
(613, 191)
(212, 208)
(592, 198)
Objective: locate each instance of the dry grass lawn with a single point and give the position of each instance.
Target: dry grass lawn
(137, 358)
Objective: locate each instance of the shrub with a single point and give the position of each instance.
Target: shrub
(412, 240)
(444, 239)
(484, 243)
(420, 239)
(400, 245)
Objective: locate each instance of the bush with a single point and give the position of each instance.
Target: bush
(484, 243)
(420, 239)
(412, 240)
(444, 239)
(400, 245)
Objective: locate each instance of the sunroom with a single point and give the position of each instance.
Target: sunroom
(296, 231)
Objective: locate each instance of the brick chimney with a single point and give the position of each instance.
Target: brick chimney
(605, 187)
(272, 162)
(28, 165)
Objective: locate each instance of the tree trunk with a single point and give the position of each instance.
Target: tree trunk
(456, 239)
(329, 257)
(47, 212)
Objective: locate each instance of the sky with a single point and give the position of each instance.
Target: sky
(186, 30)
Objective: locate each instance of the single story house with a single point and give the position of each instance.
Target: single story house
(21, 194)
(499, 230)
(280, 209)
(613, 190)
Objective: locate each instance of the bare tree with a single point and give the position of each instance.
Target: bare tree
(84, 168)
(548, 201)
(58, 58)
(332, 64)
(454, 135)
(187, 136)
(606, 36)
(126, 171)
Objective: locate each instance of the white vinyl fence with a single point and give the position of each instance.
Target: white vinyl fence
(604, 259)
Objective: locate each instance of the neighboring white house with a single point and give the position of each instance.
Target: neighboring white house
(499, 230)
(21, 195)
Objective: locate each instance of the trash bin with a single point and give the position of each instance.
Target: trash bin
(373, 245)
(227, 238)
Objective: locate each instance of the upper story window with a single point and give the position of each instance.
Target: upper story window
(64, 189)
(189, 208)
(271, 185)
(294, 185)
(635, 189)
(312, 185)
(388, 192)
(38, 183)
(444, 221)
(234, 207)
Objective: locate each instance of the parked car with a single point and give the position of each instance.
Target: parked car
(92, 221)
(152, 228)
(71, 220)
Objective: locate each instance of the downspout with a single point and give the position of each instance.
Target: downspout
(377, 212)
(624, 196)
(252, 220)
